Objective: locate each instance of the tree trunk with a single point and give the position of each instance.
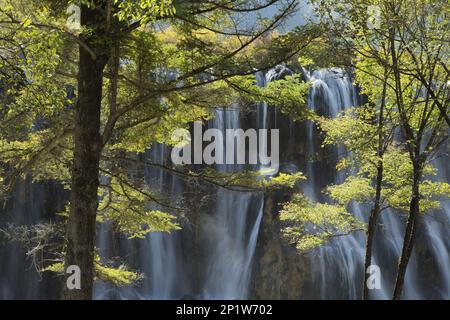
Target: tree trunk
(371, 229)
(413, 144)
(80, 237)
(410, 233)
(373, 219)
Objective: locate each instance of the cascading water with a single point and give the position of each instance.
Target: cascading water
(213, 258)
(233, 231)
(334, 268)
(337, 268)
(158, 256)
(236, 229)
(229, 235)
(29, 204)
(437, 231)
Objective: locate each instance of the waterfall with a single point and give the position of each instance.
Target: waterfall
(30, 203)
(212, 257)
(234, 228)
(337, 268)
(228, 235)
(159, 255)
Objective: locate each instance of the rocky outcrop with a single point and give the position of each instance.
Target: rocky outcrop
(280, 272)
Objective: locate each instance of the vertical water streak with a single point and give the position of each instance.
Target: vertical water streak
(234, 229)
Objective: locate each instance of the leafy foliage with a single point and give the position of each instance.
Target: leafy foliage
(127, 207)
(169, 63)
(312, 224)
(119, 276)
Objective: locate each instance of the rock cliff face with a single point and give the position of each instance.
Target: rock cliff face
(280, 272)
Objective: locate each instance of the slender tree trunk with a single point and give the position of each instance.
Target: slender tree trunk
(371, 229)
(373, 219)
(413, 144)
(80, 238)
(410, 233)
